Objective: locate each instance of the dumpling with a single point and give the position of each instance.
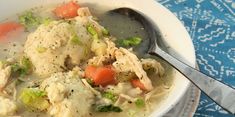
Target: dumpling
(51, 47)
(68, 96)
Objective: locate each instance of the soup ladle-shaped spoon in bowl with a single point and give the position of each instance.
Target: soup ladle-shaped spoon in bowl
(222, 94)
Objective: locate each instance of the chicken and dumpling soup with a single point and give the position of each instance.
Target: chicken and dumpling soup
(59, 61)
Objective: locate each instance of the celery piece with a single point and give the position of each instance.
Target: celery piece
(92, 31)
(131, 41)
(34, 99)
(105, 32)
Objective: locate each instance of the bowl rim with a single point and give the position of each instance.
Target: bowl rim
(166, 23)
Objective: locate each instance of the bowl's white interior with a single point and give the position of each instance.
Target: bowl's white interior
(174, 33)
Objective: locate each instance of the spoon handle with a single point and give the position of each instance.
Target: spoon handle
(222, 94)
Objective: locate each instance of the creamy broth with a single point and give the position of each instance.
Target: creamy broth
(122, 28)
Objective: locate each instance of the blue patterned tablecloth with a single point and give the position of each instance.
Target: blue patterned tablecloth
(211, 24)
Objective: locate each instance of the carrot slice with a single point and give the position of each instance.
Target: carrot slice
(101, 75)
(90, 71)
(104, 76)
(7, 27)
(68, 10)
(137, 83)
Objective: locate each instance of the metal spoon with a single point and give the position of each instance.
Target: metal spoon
(222, 94)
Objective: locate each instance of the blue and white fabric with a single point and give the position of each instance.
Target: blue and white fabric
(211, 24)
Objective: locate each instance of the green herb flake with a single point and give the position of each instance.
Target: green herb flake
(90, 82)
(25, 62)
(15, 67)
(19, 70)
(105, 32)
(92, 31)
(76, 40)
(110, 95)
(139, 103)
(29, 20)
(108, 108)
(131, 41)
(22, 68)
(47, 21)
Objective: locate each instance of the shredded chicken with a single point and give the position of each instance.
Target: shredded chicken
(78, 71)
(109, 54)
(10, 90)
(7, 107)
(4, 76)
(124, 88)
(92, 89)
(128, 62)
(157, 92)
(123, 98)
(127, 97)
(152, 63)
(84, 12)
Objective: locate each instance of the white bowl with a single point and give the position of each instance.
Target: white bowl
(174, 33)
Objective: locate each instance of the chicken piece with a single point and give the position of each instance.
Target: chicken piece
(97, 60)
(4, 76)
(99, 29)
(7, 107)
(84, 12)
(98, 46)
(124, 88)
(56, 92)
(7, 86)
(152, 63)
(68, 95)
(128, 62)
(79, 71)
(125, 62)
(111, 49)
(107, 57)
(97, 93)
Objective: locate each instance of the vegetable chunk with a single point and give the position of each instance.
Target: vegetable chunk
(137, 83)
(68, 10)
(101, 75)
(34, 99)
(131, 41)
(7, 27)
